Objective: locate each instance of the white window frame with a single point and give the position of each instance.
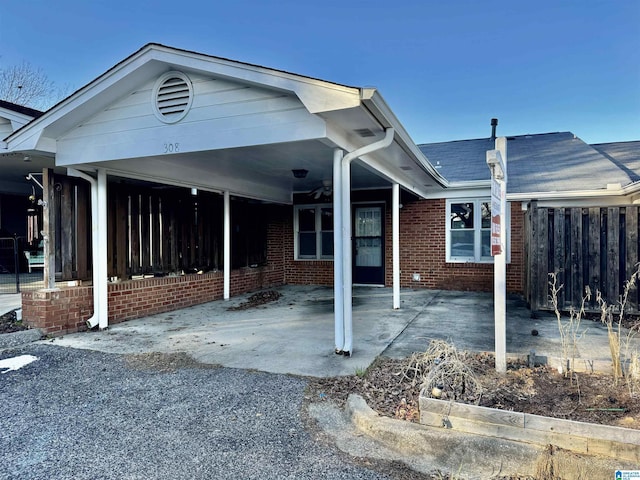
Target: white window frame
(318, 230)
(477, 224)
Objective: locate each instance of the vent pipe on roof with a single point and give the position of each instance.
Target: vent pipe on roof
(494, 124)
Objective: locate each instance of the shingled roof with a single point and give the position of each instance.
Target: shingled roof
(32, 112)
(549, 162)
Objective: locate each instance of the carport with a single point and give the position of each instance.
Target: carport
(185, 119)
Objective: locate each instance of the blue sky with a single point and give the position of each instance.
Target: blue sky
(445, 68)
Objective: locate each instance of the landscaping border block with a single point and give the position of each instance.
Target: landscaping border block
(579, 437)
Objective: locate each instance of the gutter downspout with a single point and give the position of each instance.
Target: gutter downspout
(345, 187)
(98, 203)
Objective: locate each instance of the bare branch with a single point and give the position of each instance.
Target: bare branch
(29, 86)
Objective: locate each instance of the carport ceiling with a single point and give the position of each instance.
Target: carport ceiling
(14, 167)
(267, 167)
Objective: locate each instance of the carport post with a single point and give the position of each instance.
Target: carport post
(395, 235)
(226, 274)
(347, 281)
(338, 294)
(347, 256)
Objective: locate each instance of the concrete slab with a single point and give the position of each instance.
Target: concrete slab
(9, 302)
(294, 335)
(467, 320)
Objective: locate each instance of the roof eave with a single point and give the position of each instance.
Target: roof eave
(373, 101)
(334, 96)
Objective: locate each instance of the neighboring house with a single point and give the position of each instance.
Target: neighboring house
(210, 177)
(18, 213)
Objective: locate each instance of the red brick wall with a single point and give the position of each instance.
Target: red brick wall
(423, 251)
(58, 311)
(66, 310)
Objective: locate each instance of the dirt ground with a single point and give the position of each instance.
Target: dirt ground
(8, 323)
(388, 388)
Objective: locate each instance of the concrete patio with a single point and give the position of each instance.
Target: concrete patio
(294, 334)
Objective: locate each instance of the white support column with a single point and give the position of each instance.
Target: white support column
(347, 281)
(338, 248)
(227, 247)
(395, 236)
(103, 294)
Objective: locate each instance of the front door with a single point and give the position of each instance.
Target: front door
(368, 265)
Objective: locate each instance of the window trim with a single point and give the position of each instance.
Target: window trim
(318, 231)
(477, 229)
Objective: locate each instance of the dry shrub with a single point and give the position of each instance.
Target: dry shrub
(570, 333)
(442, 366)
(624, 358)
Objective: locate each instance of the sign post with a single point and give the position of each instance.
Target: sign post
(497, 162)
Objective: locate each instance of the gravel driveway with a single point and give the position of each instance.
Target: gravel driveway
(79, 414)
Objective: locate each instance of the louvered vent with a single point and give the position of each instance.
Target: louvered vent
(172, 94)
(364, 132)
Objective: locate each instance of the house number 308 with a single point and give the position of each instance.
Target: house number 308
(171, 147)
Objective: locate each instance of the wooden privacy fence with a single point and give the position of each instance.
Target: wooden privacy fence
(595, 246)
(70, 222)
(162, 230)
(152, 230)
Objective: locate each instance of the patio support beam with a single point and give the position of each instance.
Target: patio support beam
(346, 244)
(227, 247)
(48, 228)
(395, 240)
(338, 281)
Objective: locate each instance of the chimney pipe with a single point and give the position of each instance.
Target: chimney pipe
(494, 124)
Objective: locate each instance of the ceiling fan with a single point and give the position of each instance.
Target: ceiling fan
(325, 189)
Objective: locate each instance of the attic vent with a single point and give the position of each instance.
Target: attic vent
(364, 132)
(172, 97)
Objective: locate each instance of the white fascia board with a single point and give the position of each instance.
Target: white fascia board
(17, 119)
(587, 202)
(316, 95)
(603, 193)
(372, 99)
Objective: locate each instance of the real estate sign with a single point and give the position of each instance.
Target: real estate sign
(496, 213)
